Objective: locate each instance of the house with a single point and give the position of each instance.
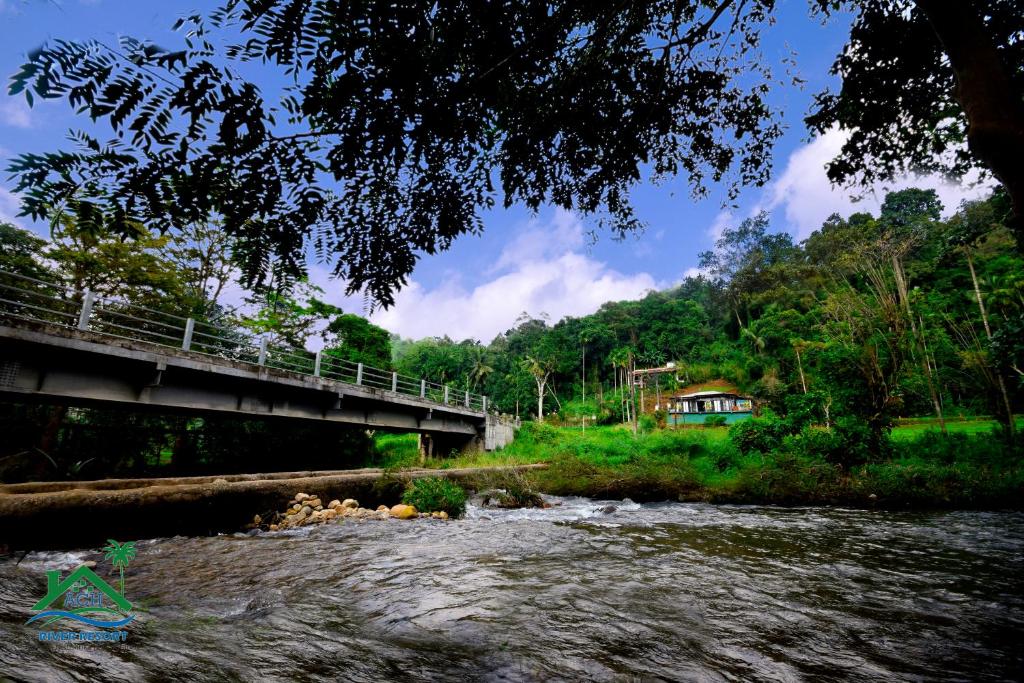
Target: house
(697, 406)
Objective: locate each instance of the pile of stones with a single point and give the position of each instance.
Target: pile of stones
(305, 509)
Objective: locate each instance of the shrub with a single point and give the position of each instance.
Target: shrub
(647, 423)
(762, 434)
(714, 421)
(434, 494)
(538, 432)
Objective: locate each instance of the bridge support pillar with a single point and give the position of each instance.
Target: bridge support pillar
(443, 445)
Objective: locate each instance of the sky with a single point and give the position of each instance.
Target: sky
(542, 264)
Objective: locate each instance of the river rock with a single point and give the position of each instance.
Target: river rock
(91, 564)
(220, 481)
(442, 515)
(334, 504)
(274, 527)
(314, 502)
(330, 513)
(299, 497)
(306, 511)
(401, 511)
(350, 503)
(608, 509)
(257, 520)
(383, 508)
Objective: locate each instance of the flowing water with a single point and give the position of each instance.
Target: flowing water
(641, 592)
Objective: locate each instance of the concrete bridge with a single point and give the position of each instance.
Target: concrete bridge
(77, 348)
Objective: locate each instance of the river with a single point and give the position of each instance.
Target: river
(641, 592)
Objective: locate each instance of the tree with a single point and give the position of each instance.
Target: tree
(480, 370)
(399, 121)
(919, 79)
(201, 253)
(357, 340)
(111, 265)
(540, 369)
(288, 315)
(969, 226)
(21, 252)
(745, 261)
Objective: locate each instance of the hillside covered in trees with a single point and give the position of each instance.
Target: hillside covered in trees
(870, 319)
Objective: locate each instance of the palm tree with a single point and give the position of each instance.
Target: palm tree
(480, 370)
(120, 555)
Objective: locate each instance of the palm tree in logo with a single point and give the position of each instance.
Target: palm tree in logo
(120, 555)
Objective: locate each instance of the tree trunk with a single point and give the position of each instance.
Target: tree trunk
(1010, 424)
(540, 400)
(932, 391)
(986, 91)
(977, 295)
(800, 367)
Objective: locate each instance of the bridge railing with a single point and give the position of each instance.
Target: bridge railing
(28, 299)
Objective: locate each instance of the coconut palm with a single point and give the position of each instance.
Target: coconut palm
(120, 555)
(480, 370)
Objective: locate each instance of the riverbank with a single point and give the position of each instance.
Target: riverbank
(968, 468)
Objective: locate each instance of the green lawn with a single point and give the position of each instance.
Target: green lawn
(912, 430)
(615, 444)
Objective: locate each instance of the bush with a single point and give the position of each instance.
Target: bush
(538, 433)
(714, 421)
(434, 494)
(647, 423)
(762, 434)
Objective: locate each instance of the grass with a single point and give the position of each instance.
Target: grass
(969, 467)
(908, 431)
(395, 451)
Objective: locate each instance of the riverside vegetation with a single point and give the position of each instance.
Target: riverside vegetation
(765, 461)
(870, 322)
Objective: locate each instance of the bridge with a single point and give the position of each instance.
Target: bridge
(60, 345)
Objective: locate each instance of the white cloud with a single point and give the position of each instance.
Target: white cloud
(540, 271)
(15, 112)
(10, 205)
(807, 197)
(538, 241)
(718, 226)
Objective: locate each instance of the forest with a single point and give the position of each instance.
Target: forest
(870, 320)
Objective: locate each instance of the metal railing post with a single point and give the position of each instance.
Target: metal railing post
(394, 381)
(467, 399)
(263, 351)
(423, 388)
(359, 374)
(316, 365)
(186, 342)
(446, 395)
(484, 399)
(83, 317)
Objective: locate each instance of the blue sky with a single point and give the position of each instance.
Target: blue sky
(539, 264)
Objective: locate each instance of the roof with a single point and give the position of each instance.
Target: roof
(703, 394)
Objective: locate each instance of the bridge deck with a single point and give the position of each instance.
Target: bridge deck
(52, 363)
